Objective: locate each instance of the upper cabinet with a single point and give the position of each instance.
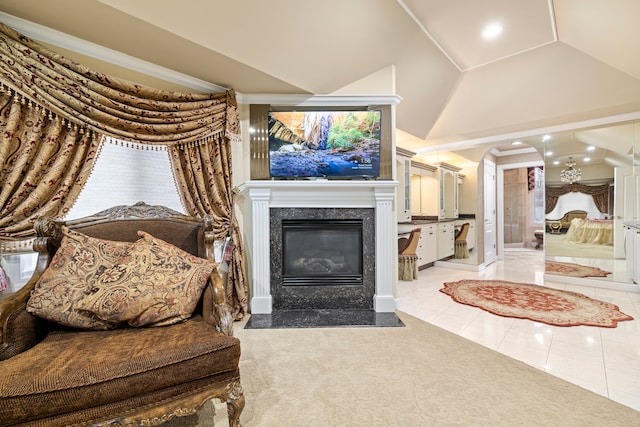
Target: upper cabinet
(403, 172)
(448, 191)
(434, 190)
(424, 183)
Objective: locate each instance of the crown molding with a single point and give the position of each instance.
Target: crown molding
(310, 100)
(75, 44)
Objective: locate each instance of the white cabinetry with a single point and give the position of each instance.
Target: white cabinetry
(423, 189)
(404, 191)
(436, 189)
(445, 239)
(448, 198)
(636, 256)
(630, 246)
(632, 249)
(429, 239)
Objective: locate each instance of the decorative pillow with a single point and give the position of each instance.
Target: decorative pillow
(74, 269)
(156, 284)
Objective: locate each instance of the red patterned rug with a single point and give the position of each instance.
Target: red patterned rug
(533, 302)
(573, 270)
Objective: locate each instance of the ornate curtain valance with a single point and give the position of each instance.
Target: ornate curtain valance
(54, 112)
(111, 106)
(600, 194)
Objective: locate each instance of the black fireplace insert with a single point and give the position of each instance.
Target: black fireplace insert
(322, 252)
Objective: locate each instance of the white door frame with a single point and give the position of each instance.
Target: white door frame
(500, 200)
(489, 226)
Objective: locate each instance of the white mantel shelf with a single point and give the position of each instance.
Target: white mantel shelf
(266, 194)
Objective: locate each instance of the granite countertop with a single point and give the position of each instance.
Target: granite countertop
(435, 220)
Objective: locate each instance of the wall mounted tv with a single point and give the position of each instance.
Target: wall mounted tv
(324, 144)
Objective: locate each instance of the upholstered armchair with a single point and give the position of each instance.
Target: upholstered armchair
(124, 322)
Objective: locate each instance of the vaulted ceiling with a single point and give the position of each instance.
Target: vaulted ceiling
(556, 61)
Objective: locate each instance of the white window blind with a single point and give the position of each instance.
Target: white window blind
(124, 175)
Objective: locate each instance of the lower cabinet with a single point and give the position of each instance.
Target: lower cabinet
(436, 241)
(636, 256)
(426, 250)
(630, 249)
(429, 241)
(445, 243)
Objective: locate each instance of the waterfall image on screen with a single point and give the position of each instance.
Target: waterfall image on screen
(331, 144)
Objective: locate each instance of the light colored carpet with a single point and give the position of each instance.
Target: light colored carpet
(419, 375)
(554, 245)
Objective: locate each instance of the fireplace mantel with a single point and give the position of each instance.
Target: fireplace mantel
(263, 195)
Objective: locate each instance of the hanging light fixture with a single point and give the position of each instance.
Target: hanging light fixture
(570, 174)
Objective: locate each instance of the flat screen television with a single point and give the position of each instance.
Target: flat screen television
(324, 144)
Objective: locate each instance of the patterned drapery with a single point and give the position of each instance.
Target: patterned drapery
(44, 162)
(69, 107)
(108, 105)
(203, 176)
(600, 194)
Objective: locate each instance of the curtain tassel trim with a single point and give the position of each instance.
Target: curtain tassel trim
(45, 112)
(135, 145)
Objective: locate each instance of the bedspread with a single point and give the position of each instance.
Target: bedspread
(593, 231)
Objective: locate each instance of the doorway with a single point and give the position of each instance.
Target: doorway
(514, 193)
(530, 217)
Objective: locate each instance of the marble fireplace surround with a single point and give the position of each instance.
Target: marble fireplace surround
(264, 195)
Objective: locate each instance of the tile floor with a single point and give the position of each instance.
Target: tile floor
(603, 360)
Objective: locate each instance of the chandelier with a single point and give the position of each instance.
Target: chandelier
(570, 174)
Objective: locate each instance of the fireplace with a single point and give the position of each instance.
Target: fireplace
(340, 207)
(322, 258)
(322, 252)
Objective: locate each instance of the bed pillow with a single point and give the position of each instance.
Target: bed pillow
(75, 268)
(156, 284)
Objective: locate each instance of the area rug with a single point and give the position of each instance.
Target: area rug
(538, 303)
(573, 270)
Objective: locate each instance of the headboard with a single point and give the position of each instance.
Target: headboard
(122, 223)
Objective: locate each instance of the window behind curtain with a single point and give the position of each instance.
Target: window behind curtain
(124, 175)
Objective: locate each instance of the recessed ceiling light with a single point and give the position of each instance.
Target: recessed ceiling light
(516, 143)
(492, 31)
(546, 138)
(556, 162)
(591, 148)
(548, 153)
(587, 159)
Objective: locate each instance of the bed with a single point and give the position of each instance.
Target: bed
(592, 231)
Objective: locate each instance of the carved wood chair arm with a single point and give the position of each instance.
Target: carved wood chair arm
(221, 313)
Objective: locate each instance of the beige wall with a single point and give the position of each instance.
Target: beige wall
(589, 172)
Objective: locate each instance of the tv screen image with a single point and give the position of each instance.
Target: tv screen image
(328, 144)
